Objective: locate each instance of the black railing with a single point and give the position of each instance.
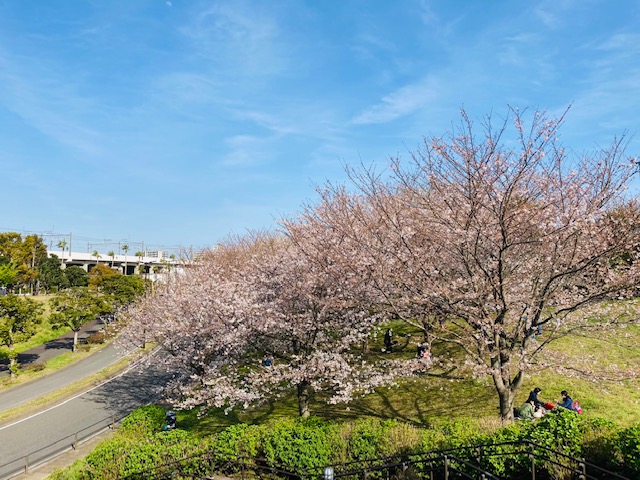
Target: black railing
(507, 460)
(35, 458)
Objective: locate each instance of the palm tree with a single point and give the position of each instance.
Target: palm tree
(62, 245)
(112, 254)
(140, 255)
(125, 247)
(97, 255)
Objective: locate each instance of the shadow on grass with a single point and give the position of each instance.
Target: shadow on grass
(423, 402)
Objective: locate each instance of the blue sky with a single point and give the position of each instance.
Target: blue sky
(179, 122)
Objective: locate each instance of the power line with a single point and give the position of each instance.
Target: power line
(102, 245)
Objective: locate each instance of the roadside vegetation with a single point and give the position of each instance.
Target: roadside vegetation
(40, 300)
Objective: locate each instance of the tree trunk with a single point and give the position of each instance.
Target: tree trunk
(303, 398)
(75, 341)
(12, 362)
(507, 399)
(506, 389)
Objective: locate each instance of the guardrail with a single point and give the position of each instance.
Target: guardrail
(31, 460)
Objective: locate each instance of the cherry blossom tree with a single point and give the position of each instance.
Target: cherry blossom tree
(257, 318)
(485, 239)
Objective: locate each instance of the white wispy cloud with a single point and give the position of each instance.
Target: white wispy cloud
(245, 151)
(241, 39)
(402, 102)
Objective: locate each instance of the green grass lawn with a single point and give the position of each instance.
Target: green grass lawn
(431, 400)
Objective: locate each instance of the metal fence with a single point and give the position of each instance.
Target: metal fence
(33, 459)
(517, 460)
(522, 460)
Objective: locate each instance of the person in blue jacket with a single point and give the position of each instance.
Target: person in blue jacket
(533, 396)
(566, 402)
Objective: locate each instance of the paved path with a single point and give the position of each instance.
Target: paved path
(37, 438)
(49, 383)
(53, 348)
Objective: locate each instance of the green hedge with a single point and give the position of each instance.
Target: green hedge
(300, 444)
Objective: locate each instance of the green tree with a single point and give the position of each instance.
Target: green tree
(112, 254)
(97, 255)
(51, 275)
(125, 248)
(123, 289)
(75, 307)
(26, 254)
(62, 244)
(77, 276)
(18, 320)
(120, 289)
(8, 275)
(8, 243)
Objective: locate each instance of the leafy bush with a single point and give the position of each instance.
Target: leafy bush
(460, 433)
(305, 444)
(559, 430)
(143, 421)
(238, 440)
(33, 367)
(499, 462)
(299, 443)
(599, 443)
(369, 438)
(97, 338)
(629, 444)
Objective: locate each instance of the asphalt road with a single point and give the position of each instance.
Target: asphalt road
(38, 437)
(53, 348)
(49, 383)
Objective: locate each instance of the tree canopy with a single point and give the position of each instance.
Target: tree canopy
(75, 307)
(18, 320)
(488, 236)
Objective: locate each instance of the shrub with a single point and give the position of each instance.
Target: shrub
(369, 439)
(299, 443)
(599, 443)
(97, 338)
(143, 421)
(629, 444)
(498, 461)
(33, 367)
(236, 441)
(559, 430)
(460, 433)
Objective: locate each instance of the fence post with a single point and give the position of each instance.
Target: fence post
(446, 468)
(532, 455)
(328, 473)
(583, 469)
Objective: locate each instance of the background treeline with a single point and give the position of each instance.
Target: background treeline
(79, 296)
(25, 267)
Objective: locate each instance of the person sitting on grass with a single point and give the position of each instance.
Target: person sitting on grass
(567, 401)
(525, 411)
(533, 396)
